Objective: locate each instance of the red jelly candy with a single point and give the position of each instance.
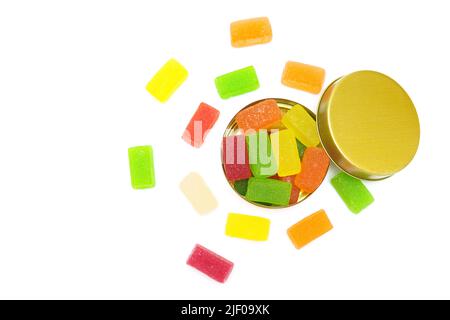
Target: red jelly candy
(201, 122)
(295, 192)
(210, 263)
(235, 158)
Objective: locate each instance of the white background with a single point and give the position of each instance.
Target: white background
(73, 99)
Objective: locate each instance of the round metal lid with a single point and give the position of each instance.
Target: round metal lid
(368, 125)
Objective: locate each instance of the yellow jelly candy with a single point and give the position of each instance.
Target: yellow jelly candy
(167, 80)
(302, 124)
(286, 153)
(247, 227)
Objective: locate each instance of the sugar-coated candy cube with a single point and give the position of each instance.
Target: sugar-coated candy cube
(269, 191)
(262, 160)
(286, 154)
(235, 158)
(247, 227)
(309, 229)
(237, 82)
(250, 32)
(302, 124)
(301, 148)
(303, 77)
(198, 193)
(210, 263)
(315, 165)
(295, 192)
(259, 116)
(167, 80)
(352, 191)
(241, 186)
(201, 122)
(142, 169)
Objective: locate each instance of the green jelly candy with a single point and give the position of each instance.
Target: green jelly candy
(241, 186)
(264, 204)
(237, 82)
(269, 191)
(301, 148)
(352, 191)
(262, 160)
(141, 167)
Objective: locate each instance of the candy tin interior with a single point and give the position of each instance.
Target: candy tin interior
(233, 129)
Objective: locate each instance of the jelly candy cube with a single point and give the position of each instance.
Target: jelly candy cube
(235, 158)
(295, 192)
(197, 192)
(247, 227)
(241, 186)
(269, 191)
(286, 154)
(237, 82)
(201, 122)
(142, 169)
(210, 263)
(352, 191)
(261, 157)
(309, 229)
(301, 149)
(315, 165)
(250, 32)
(261, 115)
(167, 80)
(302, 124)
(303, 77)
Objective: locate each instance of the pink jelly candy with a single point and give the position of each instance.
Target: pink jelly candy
(201, 122)
(210, 263)
(235, 158)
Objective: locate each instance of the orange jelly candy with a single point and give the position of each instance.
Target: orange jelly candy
(259, 116)
(303, 77)
(315, 164)
(250, 32)
(309, 229)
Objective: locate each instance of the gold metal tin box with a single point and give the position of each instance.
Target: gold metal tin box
(368, 125)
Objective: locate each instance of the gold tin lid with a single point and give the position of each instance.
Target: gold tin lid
(368, 125)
